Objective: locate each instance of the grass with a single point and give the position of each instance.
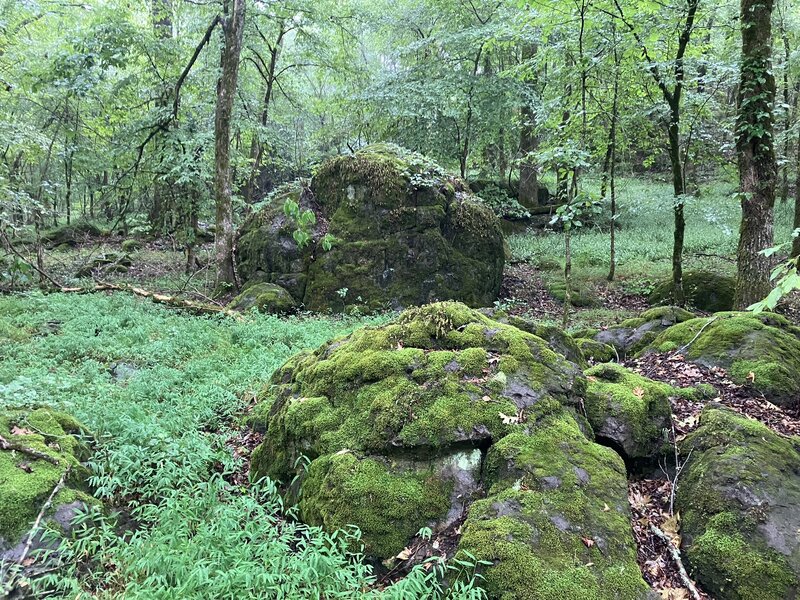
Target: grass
(161, 455)
(644, 239)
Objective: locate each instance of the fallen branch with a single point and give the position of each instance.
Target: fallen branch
(676, 556)
(682, 349)
(175, 302)
(33, 453)
(19, 255)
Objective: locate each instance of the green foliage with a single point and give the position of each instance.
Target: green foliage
(503, 205)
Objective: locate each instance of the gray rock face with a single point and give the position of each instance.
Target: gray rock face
(739, 499)
(633, 334)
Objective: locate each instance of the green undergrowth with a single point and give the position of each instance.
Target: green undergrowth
(160, 390)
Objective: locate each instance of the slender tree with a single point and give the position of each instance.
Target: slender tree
(756, 152)
(233, 31)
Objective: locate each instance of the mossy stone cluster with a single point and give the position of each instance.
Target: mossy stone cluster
(405, 233)
(264, 297)
(27, 481)
(704, 290)
(761, 351)
(106, 264)
(738, 497)
(446, 410)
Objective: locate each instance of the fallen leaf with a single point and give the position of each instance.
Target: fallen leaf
(588, 542)
(751, 377)
(20, 431)
(606, 508)
(638, 392)
(405, 554)
(509, 420)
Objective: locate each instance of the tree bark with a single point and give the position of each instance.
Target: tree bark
(161, 11)
(796, 241)
(233, 32)
(528, 143)
(756, 153)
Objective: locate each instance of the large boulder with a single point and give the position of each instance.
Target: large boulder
(40, 454)
(761, 351)
(738, 496)
(404, 233)
(264, 297)
(410, 424)
(704, 290)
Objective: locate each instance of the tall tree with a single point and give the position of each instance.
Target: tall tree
(233, 32)
(756, 152)
(672, 93)
(528, 143)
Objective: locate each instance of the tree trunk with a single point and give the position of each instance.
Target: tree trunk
(528, 143)
(756, 153)
(678, 189)
(796, 241)
(612, 159)
(162, 27)
(233, 31)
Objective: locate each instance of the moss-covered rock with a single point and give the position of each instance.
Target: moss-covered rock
(27, 480)
(265, 297)
(758, 350)
(629, 411)
(556, 522)
(410, 398)
(72, 234)
(131, 245)
(105, 264)
(405, 233)
(634, 334)
(596, 352)
(738, 497)
(704, 290)
(581, 295)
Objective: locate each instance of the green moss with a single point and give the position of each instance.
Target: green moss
(580, 294)
(264, 297)
(131, 245)
(766, 345)
(24, 493)
(549, 490)
(628, 409)
(389, 508)
(597, 352)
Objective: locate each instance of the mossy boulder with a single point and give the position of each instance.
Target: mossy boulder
(27, 478)
(105, 264)
(738, 496)
(634, 334)
(264, 297)
(131, 245)
(556, 520)
(411, 398)
(581, 295)
(629, 412)
(446, 411)
(596, 352)
(761, 351)
(704, 290)
(404, 233)
(72, 234)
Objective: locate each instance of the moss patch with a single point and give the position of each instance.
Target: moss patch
(27, 482)
(264, 297)
(702, 289)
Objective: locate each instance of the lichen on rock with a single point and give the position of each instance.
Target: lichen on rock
(405, 233)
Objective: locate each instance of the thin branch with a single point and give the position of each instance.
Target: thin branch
(676, 557)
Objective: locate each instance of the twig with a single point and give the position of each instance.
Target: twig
(26, 261)
(682, 349)
(676, 557)
(8, 585)
(9, 445)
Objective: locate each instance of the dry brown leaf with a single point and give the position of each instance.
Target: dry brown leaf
(638, 392)
(671, 527)
(606, 507)
(509, 420)
(405, 554)
(588, 542)
(20, 431)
